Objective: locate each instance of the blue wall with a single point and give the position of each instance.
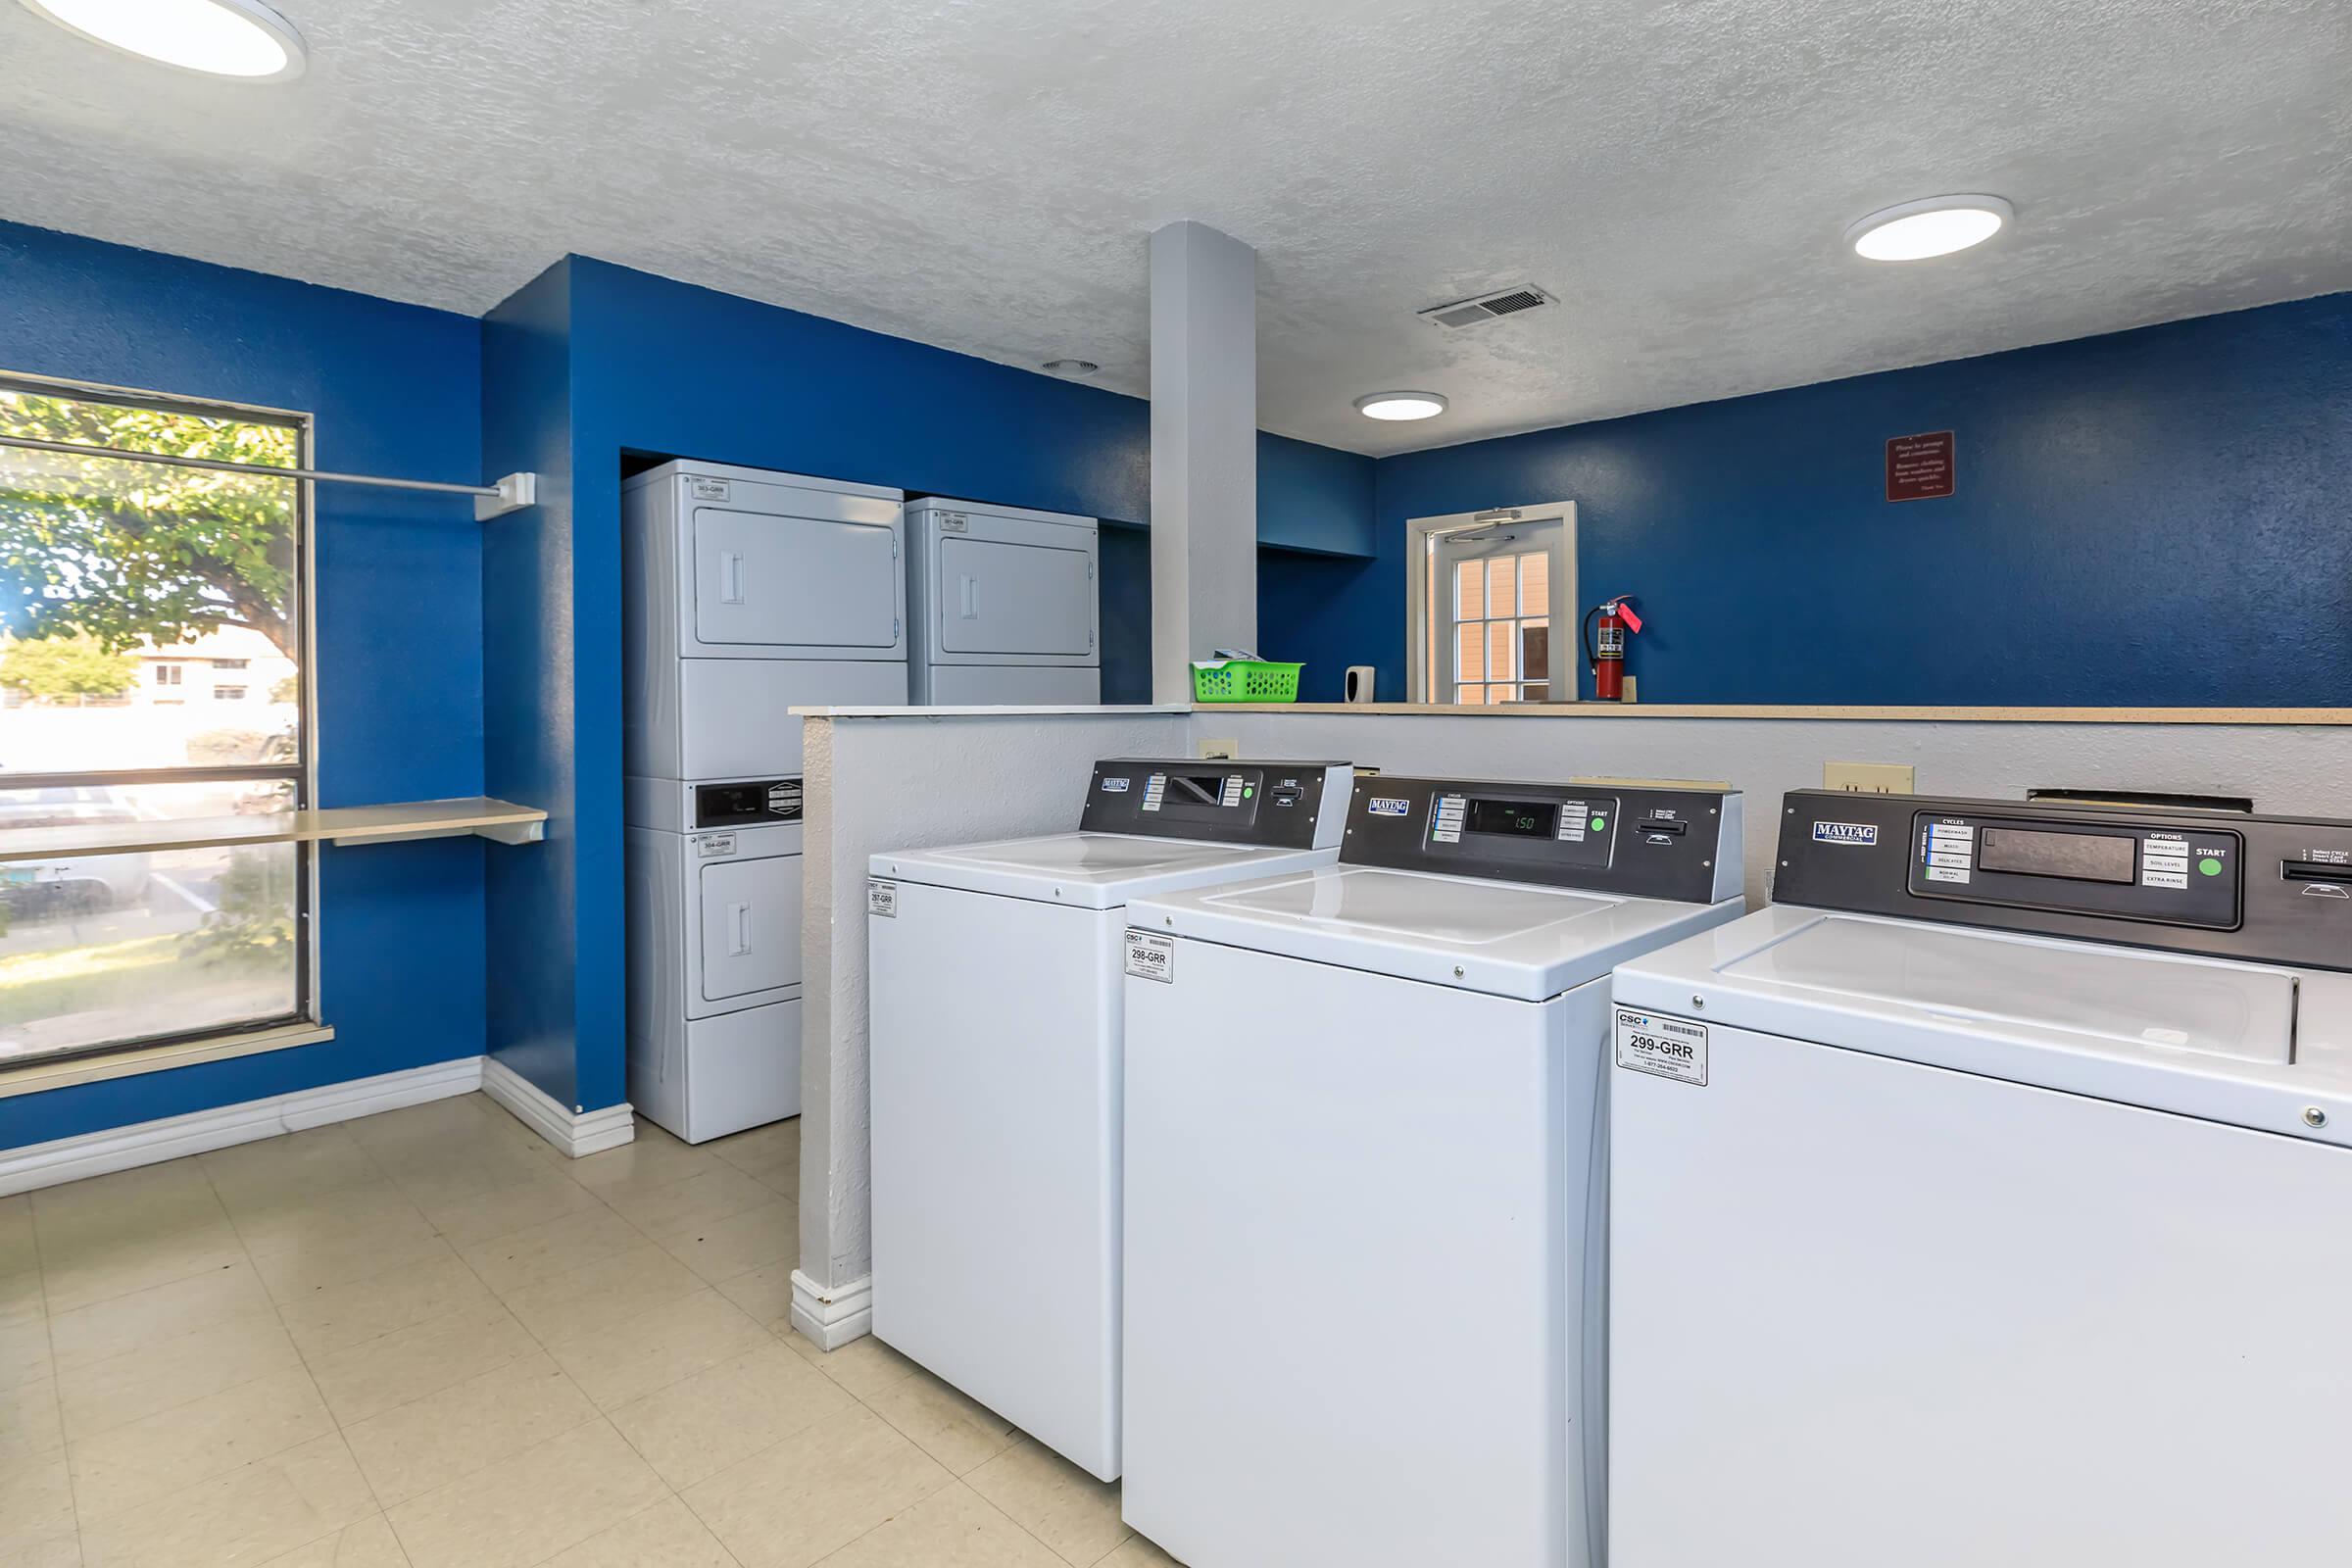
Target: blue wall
(395, 390)
(2157, 516)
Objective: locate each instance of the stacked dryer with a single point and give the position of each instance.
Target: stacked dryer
(1003, 605)
(750, 593)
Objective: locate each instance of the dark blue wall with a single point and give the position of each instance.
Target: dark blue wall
(394, 390)
(2157, 516)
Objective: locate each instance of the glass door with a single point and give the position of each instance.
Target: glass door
(1500, 598)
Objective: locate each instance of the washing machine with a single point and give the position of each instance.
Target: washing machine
(1365, 1212)
(996, 1074)
(1985, 1199)
(1003, 606)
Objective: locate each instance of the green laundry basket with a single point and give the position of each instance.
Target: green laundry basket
(1244, 680)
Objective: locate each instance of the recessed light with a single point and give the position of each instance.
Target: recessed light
(1070, 366)
(240, 39)
(1936, 227)
(1400, 406)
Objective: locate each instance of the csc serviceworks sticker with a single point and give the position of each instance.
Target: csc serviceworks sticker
(1662, 1047)
(882, 897)
(1151, 956)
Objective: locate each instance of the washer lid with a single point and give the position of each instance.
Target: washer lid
(1507, 938)
(1090, 871)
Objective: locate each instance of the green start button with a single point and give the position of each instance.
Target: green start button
(2210, 866)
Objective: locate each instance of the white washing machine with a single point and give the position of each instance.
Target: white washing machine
(1365, 1215)
(1003, 605)
(1985, 1200)
(996, 1074)
(713, 954)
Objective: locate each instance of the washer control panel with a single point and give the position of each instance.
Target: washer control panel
(2171, 871)
(1652, 843)
(1229, 801)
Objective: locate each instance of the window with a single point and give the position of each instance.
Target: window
(1489, 593)
(129, 573)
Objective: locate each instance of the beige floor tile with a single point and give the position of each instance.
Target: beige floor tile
(666, 1535)
(764, 1292)
(1136, 1552)
(693, 1428)
(24, 1353)
(340, 1316)
(370, 1543)
(138, 1260)
(952, 1529)
(652, 1159)
(147, 1317)
(656, 1349)
(437, 1177)
(1054, 1500)
(723, 1249)
(36, 1502)
(950, 1427)
(19, 1253)
(21, 1300)
(302, 1221)
(249, 1515)
(537, 1504)
(302, 1273)
(481, 1216)
(602, 1294)
(717, 1193)
(435, 1121)
(779, 1140)
(99, 1395)
(414, 1448)
(29, 1425)
(863, 1366)
(162, 1453)
(55, 1548)
(125, 1198)
(815, 1492)
(381, 1374)
(508, 1263)
(257, 1176)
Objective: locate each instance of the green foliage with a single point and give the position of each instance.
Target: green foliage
(123, 552)
(255, 920)
(50, 668)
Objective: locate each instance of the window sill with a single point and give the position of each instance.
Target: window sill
(33, 1077)
(476, 815)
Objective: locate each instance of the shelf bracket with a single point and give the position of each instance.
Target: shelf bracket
(515, 492)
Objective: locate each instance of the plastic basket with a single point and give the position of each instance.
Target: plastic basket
(1244, 680)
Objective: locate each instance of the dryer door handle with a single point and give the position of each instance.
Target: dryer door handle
(971, 597)
(739, 930)
(730, 577)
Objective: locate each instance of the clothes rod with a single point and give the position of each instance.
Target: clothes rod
(511, 494)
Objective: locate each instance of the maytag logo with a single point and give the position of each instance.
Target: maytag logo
(1115, 786)
(1846, 833)
(1389, 806)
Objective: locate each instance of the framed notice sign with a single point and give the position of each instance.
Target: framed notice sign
(1921, 467)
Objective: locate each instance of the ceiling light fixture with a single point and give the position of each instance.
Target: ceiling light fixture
(1400, 406)
(1937, 227)
(239, 38)
(1070, 366)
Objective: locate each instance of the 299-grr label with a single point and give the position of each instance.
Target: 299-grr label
(1662, 1047)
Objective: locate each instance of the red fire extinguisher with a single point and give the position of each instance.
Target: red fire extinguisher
(1607, 657)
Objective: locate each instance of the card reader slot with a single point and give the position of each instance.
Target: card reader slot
(2315, 872)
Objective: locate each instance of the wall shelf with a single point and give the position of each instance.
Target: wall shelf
(478, 816)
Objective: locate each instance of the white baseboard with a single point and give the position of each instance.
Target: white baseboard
(577, 1133)
(831, 1317)
(149, 1143)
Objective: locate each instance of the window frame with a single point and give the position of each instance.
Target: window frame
(304, 771)
(1421, 619)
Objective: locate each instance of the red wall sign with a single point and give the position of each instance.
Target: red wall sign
(1921, 467)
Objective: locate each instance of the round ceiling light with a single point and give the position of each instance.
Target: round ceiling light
(1936, 227)
(240, 39)
(1400, 406)
(1070, 366)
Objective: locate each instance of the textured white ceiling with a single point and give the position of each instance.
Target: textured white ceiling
(982, 173)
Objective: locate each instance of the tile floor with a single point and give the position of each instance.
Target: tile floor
(428, 1339)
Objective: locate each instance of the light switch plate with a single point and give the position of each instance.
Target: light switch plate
(1870, 778)
(1222, 751)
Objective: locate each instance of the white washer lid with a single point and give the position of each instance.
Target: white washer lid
(1090, 871)
(1507, 938)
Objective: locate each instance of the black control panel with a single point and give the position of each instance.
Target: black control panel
(1220, 800)
(1649, 842)
(2273, 889)
(758, 803)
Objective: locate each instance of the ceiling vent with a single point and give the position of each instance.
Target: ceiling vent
(1485, 306)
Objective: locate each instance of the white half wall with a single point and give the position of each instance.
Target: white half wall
(876, 784)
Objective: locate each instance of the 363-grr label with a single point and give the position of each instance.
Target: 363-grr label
(1662, 1047)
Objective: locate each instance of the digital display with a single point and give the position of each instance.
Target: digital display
(2083, 857)
(1523, 819)
(1208, 789)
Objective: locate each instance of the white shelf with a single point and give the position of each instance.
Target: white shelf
(477, 816)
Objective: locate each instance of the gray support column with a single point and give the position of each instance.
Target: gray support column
(1203, 451)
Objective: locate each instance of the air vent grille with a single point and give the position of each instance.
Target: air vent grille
(1485, 306)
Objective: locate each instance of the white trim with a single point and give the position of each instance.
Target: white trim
(831, 1317)
(71, 1159)
(37, 1077)
(573, 1130)
(1417, 579)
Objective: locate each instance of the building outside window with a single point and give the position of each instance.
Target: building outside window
(121, 575)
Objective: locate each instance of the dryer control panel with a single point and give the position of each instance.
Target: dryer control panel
(753, 803)
(1297, 806)
(2264, 888)
(1651, 843)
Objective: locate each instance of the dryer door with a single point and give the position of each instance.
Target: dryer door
(1018, 596)
(801, 583)
(750, 922)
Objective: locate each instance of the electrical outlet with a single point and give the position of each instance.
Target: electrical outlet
(1870, 778)
(1220, 751)
(1632, 689)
